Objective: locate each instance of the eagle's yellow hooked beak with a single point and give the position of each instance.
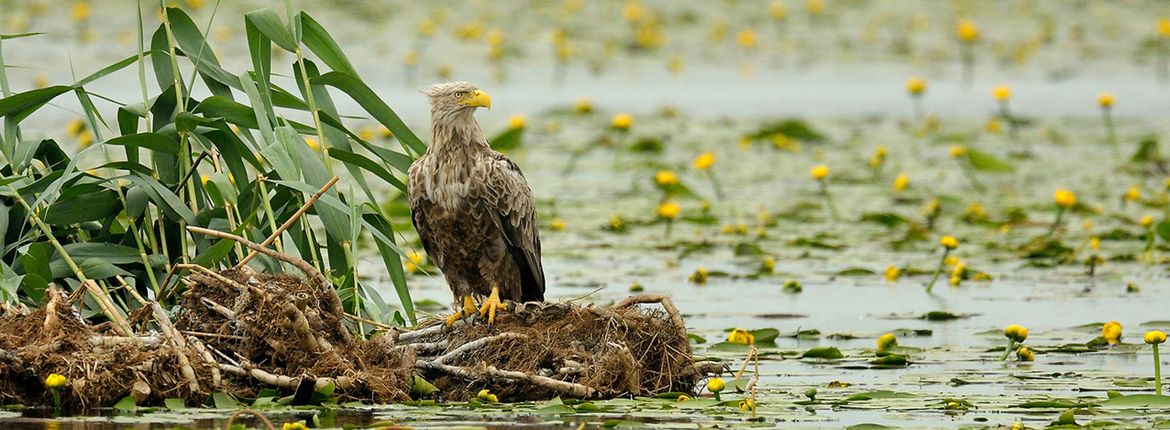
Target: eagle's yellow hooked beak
(478, 99)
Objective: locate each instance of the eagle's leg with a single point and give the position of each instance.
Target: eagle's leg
(467, 310)
(491, 304)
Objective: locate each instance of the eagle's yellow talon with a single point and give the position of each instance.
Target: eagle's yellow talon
(467, 310)
(491, 305)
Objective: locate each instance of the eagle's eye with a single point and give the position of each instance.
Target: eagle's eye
(460, 94)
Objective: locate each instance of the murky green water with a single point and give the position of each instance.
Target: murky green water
(844, 75)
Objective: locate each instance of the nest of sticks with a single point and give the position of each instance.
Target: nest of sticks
(240, 332)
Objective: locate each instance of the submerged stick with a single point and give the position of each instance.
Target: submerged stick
(289, 222)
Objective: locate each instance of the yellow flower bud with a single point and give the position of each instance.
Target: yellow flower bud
(487, 396)
(583, 105)
(704, 161)
(669, 210)
(1105, 99)
(622, 121)
(819, 172)
(56, 380)
(1155, 337)
(948, 242)
(747, 405)
(715, 385)
(741, 336)
(1146, 221)
(516, 122)
(1001, 93)
(746, 38)
(665, 178)
(1016, 333)
(967, 31)
(1025, 354)
(1064, 198)
(901, 182)
(886, 341)
(1111, 331)
(957, 151)
(892, 273)
(915, 85)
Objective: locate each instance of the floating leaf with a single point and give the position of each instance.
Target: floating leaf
(830, 352)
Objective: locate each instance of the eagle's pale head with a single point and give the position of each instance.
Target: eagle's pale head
(451, 97)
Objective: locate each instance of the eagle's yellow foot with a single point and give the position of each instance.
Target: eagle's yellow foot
(468, 310)
(491, 304)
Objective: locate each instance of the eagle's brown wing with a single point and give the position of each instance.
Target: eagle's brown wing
(506, 187)
(419, 207)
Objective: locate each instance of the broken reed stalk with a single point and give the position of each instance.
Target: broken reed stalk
(476, 344)
(208, 361)
(570, 388)
(176, 338)
(289, 222)
(282, 381)
(108, 308)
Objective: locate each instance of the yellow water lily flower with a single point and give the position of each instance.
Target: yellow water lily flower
(886, 341)
(1016, 333)
(1146, 221)
(746, 38)
(665, 178)
(1155, 337)
(516, 122)
(715, 385)
(669, 210)
(741, 336)
(747, 405)
(299, 425)
(1064, 198)
(948, 242)
(915, 85)
(80, 11)
(967, 31)
(1105, 99)
(622, 121)
(1111, 331)
(901, 182)
(957, 151)
(75, 127)
(704, 161)
(1001, 93)
(699, 277)
(55, 380)
(633, 12)
(487, 396)
(1133, 194)
(892, 273)
(583, 105)
(819, 172)
(1025, 354)
(777, 11)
